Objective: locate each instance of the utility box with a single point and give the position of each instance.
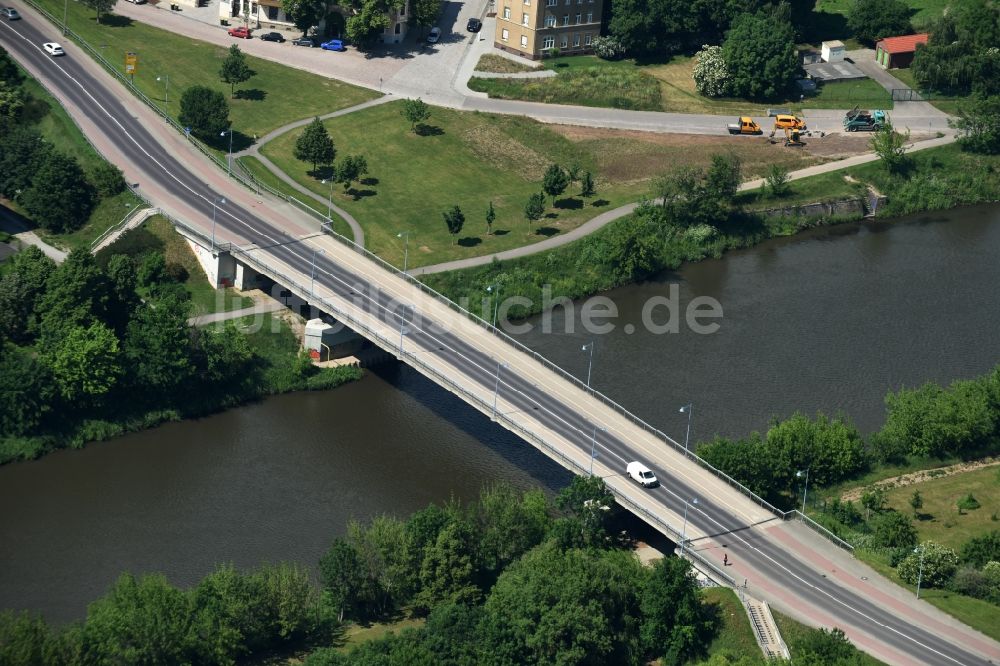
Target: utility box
(326, 342)
(833, 51)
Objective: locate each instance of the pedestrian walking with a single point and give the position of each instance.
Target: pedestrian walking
(725, 560)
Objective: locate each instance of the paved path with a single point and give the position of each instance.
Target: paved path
(16, 226)
(255, 309)
(537, 74)
(607, 217)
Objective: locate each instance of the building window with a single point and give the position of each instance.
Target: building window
(525, 19)
(563, 41)
(549, 42)
(524, 41)
(590, 17)
(550, 21)
(576, 39)
(586, 39)
(565, 19)
(504, 35)
(506, 13)
(551, 3)
(578, 19)
(402, 10)
(397, 27)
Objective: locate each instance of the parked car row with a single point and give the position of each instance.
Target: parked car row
(243, 32)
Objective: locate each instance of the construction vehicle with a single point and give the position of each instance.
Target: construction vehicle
(744, 125)
(788, 121)
(857, 120)
(792, 136)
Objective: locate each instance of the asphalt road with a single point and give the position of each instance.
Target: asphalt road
(134, 139)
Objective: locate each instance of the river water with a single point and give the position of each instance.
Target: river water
(828, 320)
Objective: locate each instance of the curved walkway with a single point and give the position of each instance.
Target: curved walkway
(607, 217)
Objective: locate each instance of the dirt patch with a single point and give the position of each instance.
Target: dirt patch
(495, 63)
(922, 475)
(501, 150)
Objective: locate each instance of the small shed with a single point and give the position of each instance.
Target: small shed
(833, 51)
(894, 52)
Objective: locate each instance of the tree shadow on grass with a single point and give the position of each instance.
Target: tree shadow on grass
(546, 231)
(569, 203)
(599, 203)
(501, 232)
(358, 195)
(428, 130)
(321, 173)
(470, 241)
(923, 517)
(114, 21)
(251, 94)
(370, 182)
(221, 143)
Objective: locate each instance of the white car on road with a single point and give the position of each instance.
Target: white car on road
(434, 36)
(641, 474)
(53, 49)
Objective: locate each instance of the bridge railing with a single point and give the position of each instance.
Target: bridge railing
(256, 185)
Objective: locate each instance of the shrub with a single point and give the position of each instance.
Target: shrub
(108, 180)
(777, 180)
(893, 530)
(967, 503)
(608, 48)
(711, 76)
(939, 565)
(176, 272)
(979, 550)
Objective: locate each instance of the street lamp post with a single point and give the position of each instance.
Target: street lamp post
(920, 571)
(166, 90)
(329, 202)
(406, 247)
(590, 364)
(229, 163)
(593, 448)
(215, 205)
(402, 321)
(496, 390)
(312, 274)
(805, 488)
(687, 409)
(496, 302)
(684, 530)
(65, 10)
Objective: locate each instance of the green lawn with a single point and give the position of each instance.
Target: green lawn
(470, 159)
(626, 84)
(356, 634)
(922, 11)
(939, 518)
(735, 636)
(158, 234)
(264, 175)
(275, 96)
(793, 632)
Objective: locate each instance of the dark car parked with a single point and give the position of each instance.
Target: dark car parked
(474, 25)
(304, 41)
(273, 37)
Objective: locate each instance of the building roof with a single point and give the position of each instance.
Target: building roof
(905, 44)
(835, 44)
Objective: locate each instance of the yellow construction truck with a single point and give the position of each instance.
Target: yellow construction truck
(744, 125)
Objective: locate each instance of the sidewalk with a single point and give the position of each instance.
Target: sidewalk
(15, 225)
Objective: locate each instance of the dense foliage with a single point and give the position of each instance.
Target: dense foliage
(871, 20)
(978, 125)
(205, 112)
(962, 54)
(759, 54)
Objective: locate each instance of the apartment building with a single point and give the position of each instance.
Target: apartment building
(529, 28)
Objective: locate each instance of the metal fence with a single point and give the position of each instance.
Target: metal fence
(255, 185)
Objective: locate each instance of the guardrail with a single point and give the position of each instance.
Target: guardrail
(110, 230)
(327, 227)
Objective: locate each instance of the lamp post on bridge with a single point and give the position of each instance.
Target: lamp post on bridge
(805, 489)
(687, 409)
(593, 447)
(215, 205)
(229, 162)
(312, 274)
(406, 244)
(684, 531)
(496, 301)
(590, 365)
(496, 389)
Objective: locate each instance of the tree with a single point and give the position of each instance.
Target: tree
(12, 101)
(9, 71)
(981, 549)
(425, 12)
(370, 20)
(350, 169)
(455, 219)
(340, 572)
(303, 13)
(108, 180)
(491, 216)
(85, 364)
(978, 125)
(587, 188)
(916, 502)
(315, 145)
(535, 207)
(819, 647)
(890, 146)
(235, 69)
(387, 579)
(555, 181)
(60, 199)
(22, 153)
(21, 289)
(874, 500)
(589, 502)
(892, 529)
(777, 180)
(675, 624)
(416, 112)
(960, 55)
(447, 571)
(711, 76)
(509, 524)
(939, 565)
(26, 640)
(724, 176)
(77, 293)
(26, 392)
(158, 348)
(205, 111)
(226, 354)
(871, 20)
(100, 6)
(759, 53)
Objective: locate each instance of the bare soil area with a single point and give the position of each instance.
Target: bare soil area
(922, 475)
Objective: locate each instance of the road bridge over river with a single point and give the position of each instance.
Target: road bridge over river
(777, 557)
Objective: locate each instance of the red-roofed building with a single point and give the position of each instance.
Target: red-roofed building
(898, 51)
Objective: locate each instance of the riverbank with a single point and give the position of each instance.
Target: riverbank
(646, 243)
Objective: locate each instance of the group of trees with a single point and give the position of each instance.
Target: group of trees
(76, 340)
(961, 55)
(871, 20)
(52, 187)
(316, 146)
(555, 182)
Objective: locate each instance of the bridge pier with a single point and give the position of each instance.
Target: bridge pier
(220, 267)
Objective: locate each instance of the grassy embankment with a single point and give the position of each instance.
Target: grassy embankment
(627, 84)
(495, 63)
(939, 178)
(939, 520)
(470, 159)
(46, 115)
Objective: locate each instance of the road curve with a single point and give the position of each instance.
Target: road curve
(902, 635)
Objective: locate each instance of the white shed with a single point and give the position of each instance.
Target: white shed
(833, 51)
